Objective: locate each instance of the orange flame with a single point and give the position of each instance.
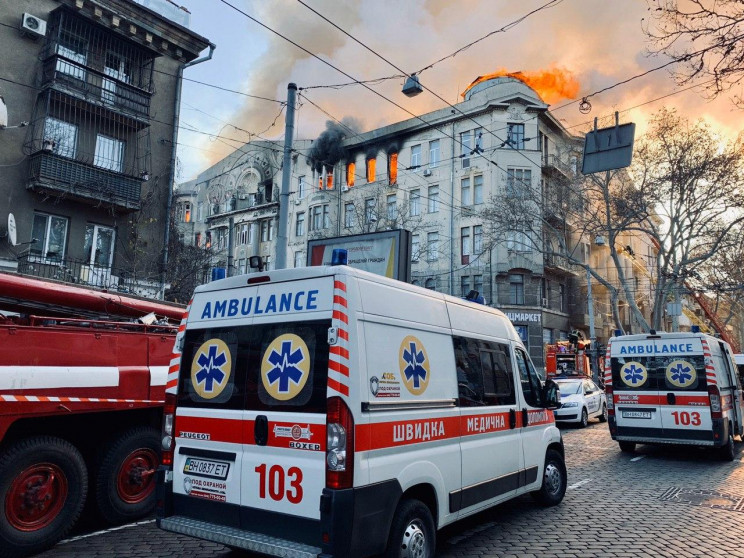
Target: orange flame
(551, 85)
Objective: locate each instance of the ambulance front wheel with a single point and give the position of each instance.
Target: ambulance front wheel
(412, 533)
(554, 481)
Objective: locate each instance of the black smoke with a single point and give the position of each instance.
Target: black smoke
(328, 149)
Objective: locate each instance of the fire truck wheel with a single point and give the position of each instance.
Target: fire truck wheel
(584, 418)
(125, 476)
(603, 416)
(728, 451)
(555, 479)
(412, 533)
(43, 485)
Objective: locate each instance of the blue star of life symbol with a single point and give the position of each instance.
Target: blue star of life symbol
(211, 368)
(414, 370)
(681, 373)
(633, 374)
(285, 366)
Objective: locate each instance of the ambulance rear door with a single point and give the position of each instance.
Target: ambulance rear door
(635, 389)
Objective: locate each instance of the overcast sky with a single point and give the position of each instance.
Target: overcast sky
(587, 44)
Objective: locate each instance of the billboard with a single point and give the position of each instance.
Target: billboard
(386, 253)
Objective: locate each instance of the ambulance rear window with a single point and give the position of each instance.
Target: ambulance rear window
(268, 367)
(653, 373)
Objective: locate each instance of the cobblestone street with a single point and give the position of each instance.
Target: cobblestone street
(659, 502)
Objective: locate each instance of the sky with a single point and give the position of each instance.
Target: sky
(580, 46)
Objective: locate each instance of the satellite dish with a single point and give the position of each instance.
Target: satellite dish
(12, 236)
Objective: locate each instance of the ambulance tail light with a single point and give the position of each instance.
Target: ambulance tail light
(169, 424)
(610, 400)
(340, 445)
(715, 402)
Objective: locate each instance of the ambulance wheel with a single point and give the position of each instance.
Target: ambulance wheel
(584, 418)
(627, 447)
(43, 484)
(603, 417)
(554, 481)
(125, 476)
(728, 451)
(412, 533)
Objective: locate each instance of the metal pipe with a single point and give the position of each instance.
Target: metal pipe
(174, 149)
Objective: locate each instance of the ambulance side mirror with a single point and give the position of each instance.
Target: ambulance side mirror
(551, 394)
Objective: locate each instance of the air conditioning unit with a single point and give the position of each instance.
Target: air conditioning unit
(427, 172)
(298, 202)
(545, 302)
(242, 197)
(33, 26)
(344, 188)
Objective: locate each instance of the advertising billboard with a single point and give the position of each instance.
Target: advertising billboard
(386, 253)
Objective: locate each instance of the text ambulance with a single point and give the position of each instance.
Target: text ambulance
(327, 411)
(673, 388)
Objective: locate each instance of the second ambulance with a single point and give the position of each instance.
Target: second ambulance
(673, 388)
(326, 411)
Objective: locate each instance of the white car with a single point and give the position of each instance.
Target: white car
(581, 399)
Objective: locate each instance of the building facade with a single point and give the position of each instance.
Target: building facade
(87, 156)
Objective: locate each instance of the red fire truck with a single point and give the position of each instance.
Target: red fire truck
(82, 385)
(567, 358)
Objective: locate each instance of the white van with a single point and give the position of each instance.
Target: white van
(673, 388)
(326, 411)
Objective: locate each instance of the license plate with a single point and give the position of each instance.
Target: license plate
(637, 414)
(206, 468)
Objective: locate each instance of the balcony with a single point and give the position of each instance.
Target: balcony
(558, 265)
(553, 163)
(69, 270)
(62, 177)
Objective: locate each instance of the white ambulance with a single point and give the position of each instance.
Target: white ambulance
(327, 411)
(673, 388)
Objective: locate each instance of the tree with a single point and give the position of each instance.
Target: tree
(188, 266)
(682, 197)
(705, 37)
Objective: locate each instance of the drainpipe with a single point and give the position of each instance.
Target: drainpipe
(174, 147)
(452, 216)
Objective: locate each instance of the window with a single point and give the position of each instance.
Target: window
(197, 239)
(299, 259)
(477, 239)
(326, 216)
(415, 156)
(464, 285)
(117, 67)
(548, 336)
(415, 247)
(349, 214)
(187, 212)
(300, 224)
(518, 241)
(369, 211)
(415, 208)
(465, 148)
(478, 136)
(433, 199)
(301, 188)
(432, 246)
(60, 137)
(371, 165)
(73, 48)
(515, 136)
(434, 153)
(393, 168)
(99, 245)
(350, 174)
(484, 373)
(478, 189)
(465, 192)
(531, 385)
(329, 178)
(516, 288)
(465, 246)
(316, 216)
(208, 241)
(244, 228)
(109, 153)
(518, 182)
(50, 232)
(267, 230)
(478, 283)
(200, 212)
(392, 207)
(562, 295)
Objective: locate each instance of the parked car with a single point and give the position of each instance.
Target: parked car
(581, 399)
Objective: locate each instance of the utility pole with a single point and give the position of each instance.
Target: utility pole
(592, 334)
(282, 238)
(230, 246)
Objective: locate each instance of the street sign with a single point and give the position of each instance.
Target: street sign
(608, 148)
